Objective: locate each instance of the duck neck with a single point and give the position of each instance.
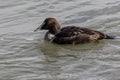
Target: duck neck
(54, 31)
(49, 36)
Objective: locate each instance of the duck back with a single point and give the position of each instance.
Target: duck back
(76, 35)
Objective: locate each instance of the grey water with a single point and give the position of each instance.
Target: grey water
(25, 56)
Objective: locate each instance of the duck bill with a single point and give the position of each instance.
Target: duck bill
(39, 28)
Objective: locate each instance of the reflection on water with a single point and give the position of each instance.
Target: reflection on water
(25, 56)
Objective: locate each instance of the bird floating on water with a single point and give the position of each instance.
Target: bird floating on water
(70, 34)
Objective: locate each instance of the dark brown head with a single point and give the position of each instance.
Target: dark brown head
(50, 24)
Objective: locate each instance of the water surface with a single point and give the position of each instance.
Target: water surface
(25, 56)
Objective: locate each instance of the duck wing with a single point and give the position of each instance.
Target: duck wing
(72, 34)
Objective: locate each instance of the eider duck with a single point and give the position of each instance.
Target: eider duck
(70, 34)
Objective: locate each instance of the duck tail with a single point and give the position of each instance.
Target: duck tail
(110, 37)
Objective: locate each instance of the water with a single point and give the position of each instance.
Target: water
(25, 56)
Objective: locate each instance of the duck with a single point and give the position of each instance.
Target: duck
(70, 34)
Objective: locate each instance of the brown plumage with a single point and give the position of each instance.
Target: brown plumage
(70, 34)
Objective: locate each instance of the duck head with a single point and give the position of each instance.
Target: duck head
(50, 24)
